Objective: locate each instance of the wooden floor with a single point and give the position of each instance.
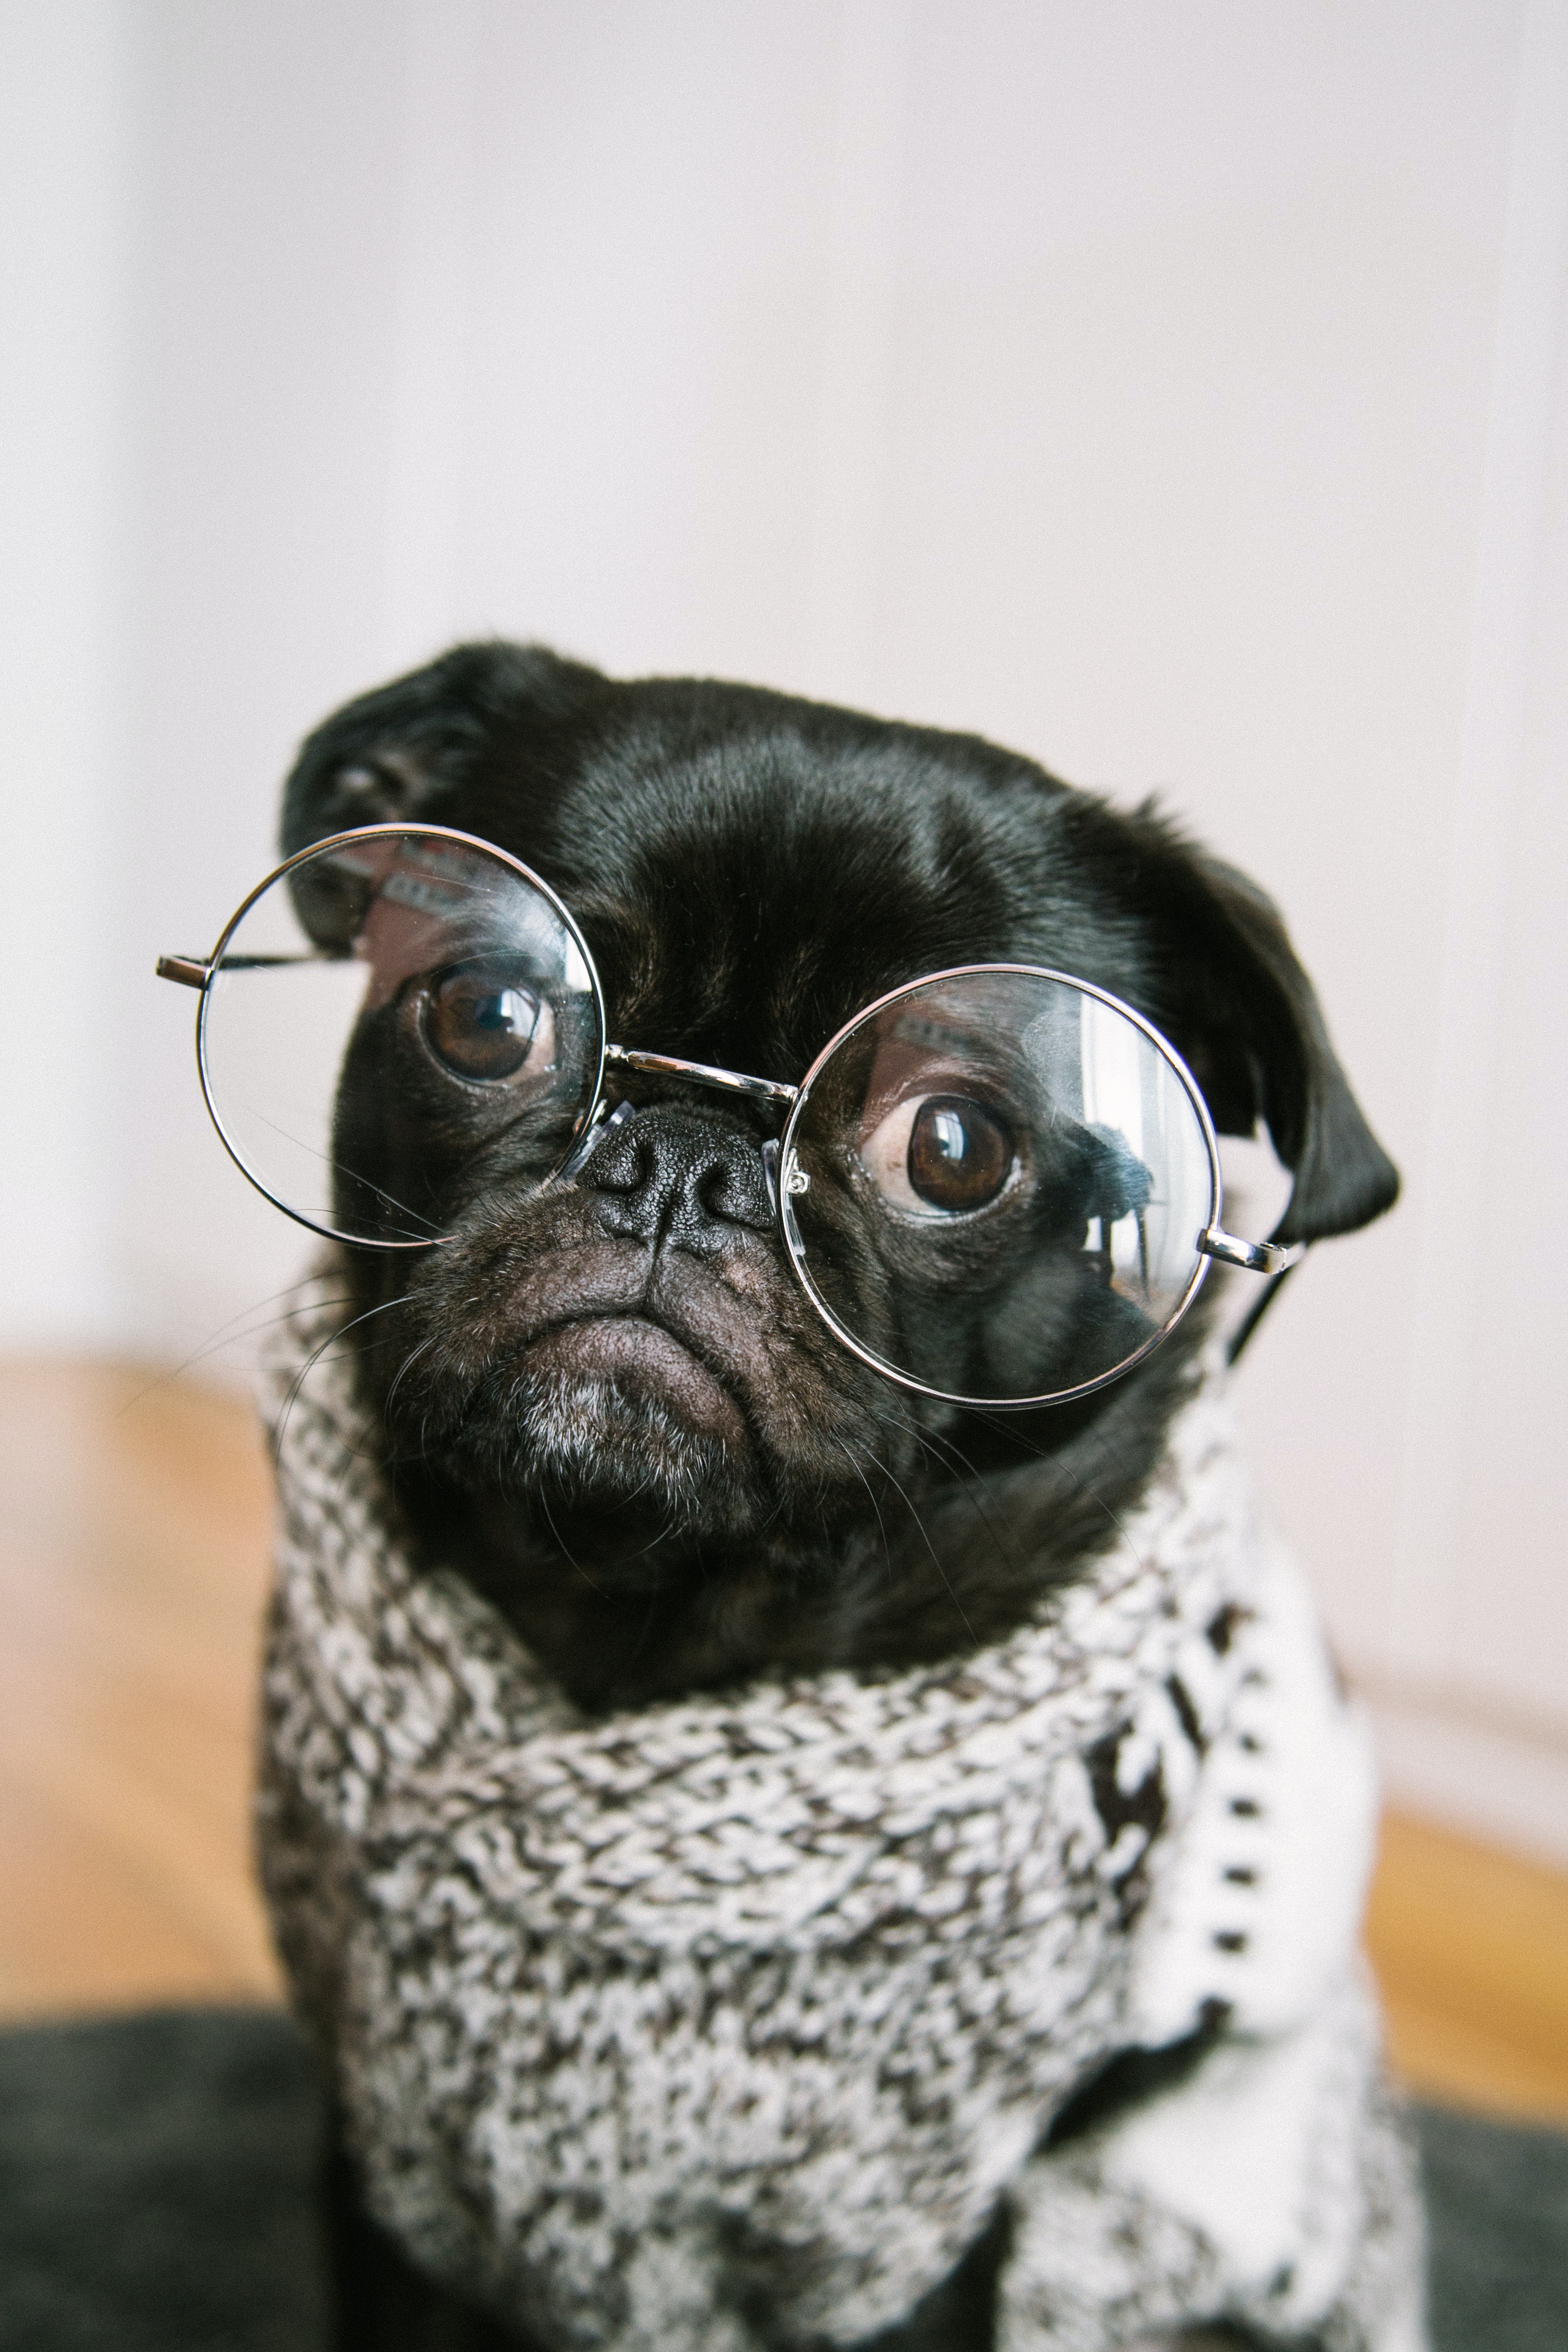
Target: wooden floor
(133, 1539)
(134, 1536)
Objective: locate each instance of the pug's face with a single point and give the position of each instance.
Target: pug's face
(617, 1367)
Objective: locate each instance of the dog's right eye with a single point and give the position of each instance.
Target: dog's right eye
(486, 1026)
(960, 1154)
(939, 1155)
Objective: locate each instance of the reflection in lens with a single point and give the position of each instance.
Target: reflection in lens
(394, 1015)
(959, 1155)
(486, 1024)
(1005, 1177)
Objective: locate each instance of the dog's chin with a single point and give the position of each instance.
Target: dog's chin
(620, 1435)
(629, 1356)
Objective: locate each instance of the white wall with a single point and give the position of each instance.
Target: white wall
(1174, 392)
(64, 254)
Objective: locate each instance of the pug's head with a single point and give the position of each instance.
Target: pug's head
(605, 1395)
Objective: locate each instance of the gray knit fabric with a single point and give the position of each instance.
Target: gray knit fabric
(729, 2021)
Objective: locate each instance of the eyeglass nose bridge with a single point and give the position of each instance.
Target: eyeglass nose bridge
(702, 1074)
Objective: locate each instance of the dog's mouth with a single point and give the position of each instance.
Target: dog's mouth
(631, 1393)
(640, 1356)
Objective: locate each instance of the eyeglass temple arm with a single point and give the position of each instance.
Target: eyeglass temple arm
(1270, 1258)
(1255, 1257)
(195, 972)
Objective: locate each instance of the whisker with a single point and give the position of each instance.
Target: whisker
(644, 1629)
(1058, 1461)
(224, 1336)
(314, 1358)
(931, 1547)
(567, 1550)
(882, 1523)
(929, 1440)
(329, 1160)
(406, 1365)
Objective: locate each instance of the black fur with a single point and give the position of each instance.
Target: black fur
(749, 871)
(705, 1484)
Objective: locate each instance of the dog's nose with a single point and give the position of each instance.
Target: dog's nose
(677, 1178)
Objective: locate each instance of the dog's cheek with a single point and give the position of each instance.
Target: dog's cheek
(825, 1419)
(818, 1414)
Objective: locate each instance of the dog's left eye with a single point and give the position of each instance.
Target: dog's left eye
(939, 1155)
(485, 1026)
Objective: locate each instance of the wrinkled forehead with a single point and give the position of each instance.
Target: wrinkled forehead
(733, 874)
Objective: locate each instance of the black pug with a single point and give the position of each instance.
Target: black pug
(606, 1401)
(749, 871)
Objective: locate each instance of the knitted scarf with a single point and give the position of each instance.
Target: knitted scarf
(732, 2020)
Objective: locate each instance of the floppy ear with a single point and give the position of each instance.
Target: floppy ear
(1241, 1010)
(414, 749)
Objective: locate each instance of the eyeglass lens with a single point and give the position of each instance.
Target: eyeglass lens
(999, 1176)
(385, 1009)
(1005, 1176)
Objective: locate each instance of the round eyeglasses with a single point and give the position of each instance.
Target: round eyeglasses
(996, 1185)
